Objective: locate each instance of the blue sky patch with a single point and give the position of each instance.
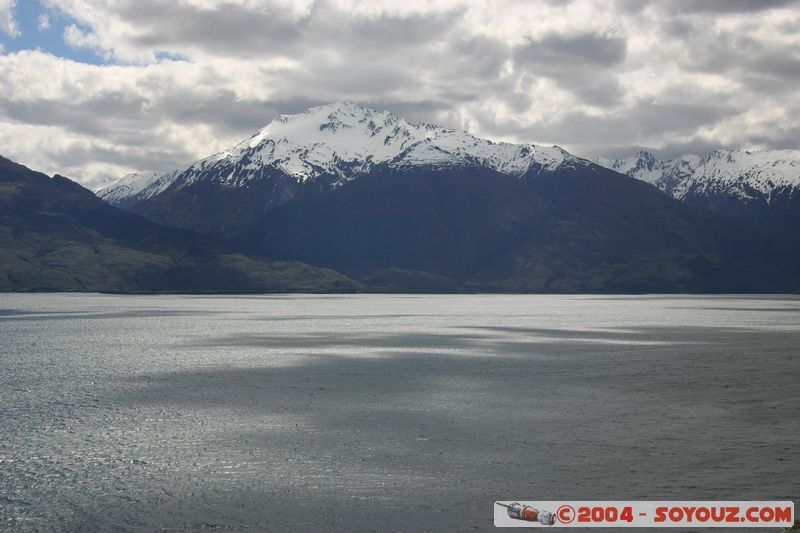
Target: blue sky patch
(50, 39)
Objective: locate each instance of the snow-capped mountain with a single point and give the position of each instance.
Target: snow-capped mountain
(751, 176)
(136, 186)
(128, 185)
(341, 141)
(346, 139)
(666, 175)
(761, 186)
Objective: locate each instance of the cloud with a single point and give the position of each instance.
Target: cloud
(693, 7)
(43, 22)
(7, 22)
(724, 6)
(581, 63)
(184, 79)
(583, 49)
(236, 30)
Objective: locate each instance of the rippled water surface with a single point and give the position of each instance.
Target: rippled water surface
(323, 413)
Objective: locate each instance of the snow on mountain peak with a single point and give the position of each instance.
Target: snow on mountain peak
(341, 141)
(135, 186)
(346, 139)
(747, 175)
(127, 185)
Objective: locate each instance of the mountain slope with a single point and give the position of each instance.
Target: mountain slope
(761, 189)
(56, 235)
(578, 230)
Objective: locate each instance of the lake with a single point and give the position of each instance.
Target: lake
(383, 412)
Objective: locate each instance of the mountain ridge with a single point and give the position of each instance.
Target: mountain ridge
(748, 187)
(343, 140)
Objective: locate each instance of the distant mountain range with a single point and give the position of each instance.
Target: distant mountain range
(760, 190)
(402, 206)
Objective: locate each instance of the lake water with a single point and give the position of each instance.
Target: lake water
(338, 413)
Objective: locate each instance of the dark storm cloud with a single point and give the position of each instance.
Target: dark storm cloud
(696, 145)
(414, 111)
(582, 64)
(766, 67)
(587, 49)
(779, 66)
(225, 109)
(480, 57)
(343, 55)
(235, 29)
(100, 115)
(359, 80)
(679, 7)
(677, 116)
(411, 31)
(130, 117)
(74, 155)
(615, 134)
(239, 30)
(723, 6)
(598, 90)
(783, 140)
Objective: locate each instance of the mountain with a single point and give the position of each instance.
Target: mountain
(57, 236)
(404, 206)
(758, 189)
(322, 149)
(136, 186)
(577, 230)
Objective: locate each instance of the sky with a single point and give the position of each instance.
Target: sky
(94, 89)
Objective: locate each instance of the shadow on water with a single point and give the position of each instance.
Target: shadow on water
(15, 312)
(342, 340)
(404, 360)
(11, 315)
(295, 318)
(746, 309)
(641, 334)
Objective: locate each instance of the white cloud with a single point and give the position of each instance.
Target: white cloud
(43, 22)
(7, 22)
(77, 38)
(589, 75)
